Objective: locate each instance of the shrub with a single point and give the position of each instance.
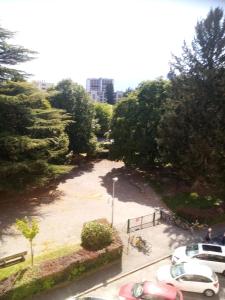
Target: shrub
(61, 270)
(96, 236)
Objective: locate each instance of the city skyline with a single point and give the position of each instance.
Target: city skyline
(129, 41)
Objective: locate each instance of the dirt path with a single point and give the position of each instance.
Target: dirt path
(85, 196)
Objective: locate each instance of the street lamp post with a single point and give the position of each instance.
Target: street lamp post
(115, 179)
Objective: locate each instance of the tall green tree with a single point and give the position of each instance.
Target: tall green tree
(109, 93)
(32, 135)
(11, 55)
(103, 115)
(191, 134)
(74, 100)
(135, 121)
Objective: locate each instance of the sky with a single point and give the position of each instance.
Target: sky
(127, 40)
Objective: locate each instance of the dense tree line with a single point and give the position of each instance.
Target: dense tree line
(180, 121)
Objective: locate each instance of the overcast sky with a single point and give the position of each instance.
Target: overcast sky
(127, 40)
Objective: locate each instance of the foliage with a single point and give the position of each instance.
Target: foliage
(103, 115)
(65, 268)
(109, 93)
(96, 236)
(39, 259)
(135, 121)
(191, 206)
(31, 135)
(74, 100)
(192, 200)
(191, 133)
(29, 229)
(11, 55)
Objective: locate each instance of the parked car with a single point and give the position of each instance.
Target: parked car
(86, 298)
(190, 277)
(208, 254)
(149, 290)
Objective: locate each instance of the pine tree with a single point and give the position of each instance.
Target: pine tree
(11, 55)
(191, 133)
(31, 135)
(109, 94)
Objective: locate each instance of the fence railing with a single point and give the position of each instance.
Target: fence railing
(142, 222)
(157, 217)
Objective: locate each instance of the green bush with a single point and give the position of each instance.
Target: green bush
(96, 236)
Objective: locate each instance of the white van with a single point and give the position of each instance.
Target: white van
(209, 254)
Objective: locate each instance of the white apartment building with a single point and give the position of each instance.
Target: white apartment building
(118, 95)
(96, 87)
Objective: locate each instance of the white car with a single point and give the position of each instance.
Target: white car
(206, 254)
(190, 277)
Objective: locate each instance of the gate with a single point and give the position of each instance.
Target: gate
(142, 222)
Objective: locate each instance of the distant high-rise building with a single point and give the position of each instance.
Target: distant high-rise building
(118, 95)
(96, 87)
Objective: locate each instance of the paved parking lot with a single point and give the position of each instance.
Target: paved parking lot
(110, 291)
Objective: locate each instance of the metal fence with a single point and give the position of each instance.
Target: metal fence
(142, 222)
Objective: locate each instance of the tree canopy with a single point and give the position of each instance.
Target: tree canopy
(103, 115)
(11, 55)
(191, 134)
(135, 121)
(74, 100)
(109, 93)
(31, 135)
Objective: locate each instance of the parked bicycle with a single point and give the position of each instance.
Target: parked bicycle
(141, 244)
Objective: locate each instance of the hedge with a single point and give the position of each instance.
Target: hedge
(64, 269)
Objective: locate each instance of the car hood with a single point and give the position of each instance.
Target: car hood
(180, 253)
(163, 273)
(126, 290)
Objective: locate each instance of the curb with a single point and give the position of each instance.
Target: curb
(118, 277)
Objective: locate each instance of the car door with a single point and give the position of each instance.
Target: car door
(214, 261)
(187, 283)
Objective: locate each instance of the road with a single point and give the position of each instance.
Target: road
(110, 291)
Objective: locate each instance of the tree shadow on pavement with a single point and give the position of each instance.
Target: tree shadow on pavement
(130, 187)
(17, 206)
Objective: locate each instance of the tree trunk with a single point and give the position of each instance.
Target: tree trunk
(32, 254)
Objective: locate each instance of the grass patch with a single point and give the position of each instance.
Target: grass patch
(59, 252)
(191, 200)
(59, 170)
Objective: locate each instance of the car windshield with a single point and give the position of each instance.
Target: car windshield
(137, 290)
(192, 250)
(177, 270)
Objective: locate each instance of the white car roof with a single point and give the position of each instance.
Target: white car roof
(197, 269)
(211, 248)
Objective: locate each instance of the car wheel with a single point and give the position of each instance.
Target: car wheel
(209, 293)
(223, 273)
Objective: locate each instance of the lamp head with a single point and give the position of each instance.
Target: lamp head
(115, 179)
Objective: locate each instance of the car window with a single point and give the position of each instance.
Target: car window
(202, 256)
(199, 278)
(192, 250)
(211, 257)
(177, 270)
(137, 290)
(213, 248)
(187, 278)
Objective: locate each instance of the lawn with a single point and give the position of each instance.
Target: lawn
(191, 200)
(59, 252)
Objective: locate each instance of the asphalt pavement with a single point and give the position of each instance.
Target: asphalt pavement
(162, 239)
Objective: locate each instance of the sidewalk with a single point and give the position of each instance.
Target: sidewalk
(163, 239)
